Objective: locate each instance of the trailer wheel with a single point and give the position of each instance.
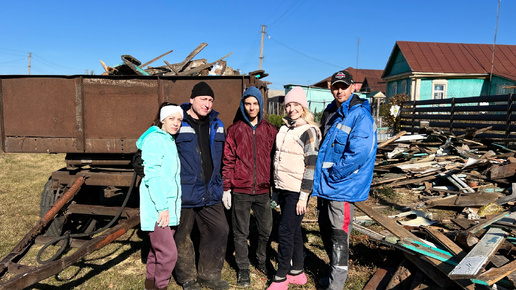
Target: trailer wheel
(76, 224)
(48, 198)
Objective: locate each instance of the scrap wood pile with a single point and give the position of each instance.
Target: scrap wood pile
(459, 228)
(188, 67)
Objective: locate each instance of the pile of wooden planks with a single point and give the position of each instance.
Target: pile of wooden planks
(457, 211)
(188, 67)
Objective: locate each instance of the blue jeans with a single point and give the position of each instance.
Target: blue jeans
(242, 204)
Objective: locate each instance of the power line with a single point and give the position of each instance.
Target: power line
(289, 10)
(304, 54)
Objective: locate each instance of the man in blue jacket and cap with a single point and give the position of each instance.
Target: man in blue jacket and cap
(343, 172)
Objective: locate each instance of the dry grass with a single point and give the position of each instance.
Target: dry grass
(119, 265)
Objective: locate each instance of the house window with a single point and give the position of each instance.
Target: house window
(394, 89)
(403, 89)
(439, 90)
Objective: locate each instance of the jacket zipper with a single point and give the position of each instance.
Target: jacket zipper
(254, 158)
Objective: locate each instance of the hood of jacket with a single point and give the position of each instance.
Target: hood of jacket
(152, 129)
(252, 92)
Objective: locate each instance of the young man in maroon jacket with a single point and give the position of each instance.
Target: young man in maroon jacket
(247, 179)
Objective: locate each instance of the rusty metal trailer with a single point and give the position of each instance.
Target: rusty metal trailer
(96, 121)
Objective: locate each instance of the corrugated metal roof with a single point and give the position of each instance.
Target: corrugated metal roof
(460, 58)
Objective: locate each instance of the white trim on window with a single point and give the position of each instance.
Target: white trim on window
(403, 89)
(439, 89)
(394, 88)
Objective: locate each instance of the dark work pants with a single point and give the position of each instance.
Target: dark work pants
(241, 215)
(162, 255)
(290, 236)
(335, 224)
(213, 229)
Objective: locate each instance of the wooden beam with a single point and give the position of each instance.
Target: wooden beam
(155, 59)
(392, 139)
(471, 265)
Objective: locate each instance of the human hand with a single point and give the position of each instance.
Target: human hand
(226, 199)
(301, 207)
(163, 218)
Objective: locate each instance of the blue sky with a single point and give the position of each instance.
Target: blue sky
(306, 41)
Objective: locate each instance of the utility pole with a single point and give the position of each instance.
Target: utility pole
(261, 47)
(30, 54)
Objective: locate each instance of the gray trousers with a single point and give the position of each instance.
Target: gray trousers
(336, 223)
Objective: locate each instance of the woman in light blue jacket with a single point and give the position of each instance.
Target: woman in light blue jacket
(160, 194)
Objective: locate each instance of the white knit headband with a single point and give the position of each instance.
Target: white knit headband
(169, 110)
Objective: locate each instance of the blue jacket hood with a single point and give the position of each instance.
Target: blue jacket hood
(252, 92)
(152, 129)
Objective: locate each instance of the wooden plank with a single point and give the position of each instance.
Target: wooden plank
(155, 59)
(379, 279)
(445, 242)
(494, 275)
(478, 199)
(427, 250)
(390, 224)
(392, 139)
(436, 273)
(471, 265)
(399, 231)
(509, 213)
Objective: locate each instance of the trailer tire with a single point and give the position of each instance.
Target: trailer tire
(48, 198)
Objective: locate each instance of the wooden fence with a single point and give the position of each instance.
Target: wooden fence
(462, 115)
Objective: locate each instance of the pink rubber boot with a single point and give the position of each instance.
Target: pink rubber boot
(299, 279)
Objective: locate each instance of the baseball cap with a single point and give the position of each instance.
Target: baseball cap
(342, 76)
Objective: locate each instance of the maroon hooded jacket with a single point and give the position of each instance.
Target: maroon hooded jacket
(248, 152)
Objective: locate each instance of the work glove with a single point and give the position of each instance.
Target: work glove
(226, 199)
(275, 200)
(137, 163)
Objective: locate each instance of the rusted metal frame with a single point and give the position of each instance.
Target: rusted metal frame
(79, 114)
(29, 238)
(2, 121)
(29, 278)
(95, 178)
(100, 210)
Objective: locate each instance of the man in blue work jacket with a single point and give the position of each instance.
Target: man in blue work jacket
(343, 172)
(200, 144)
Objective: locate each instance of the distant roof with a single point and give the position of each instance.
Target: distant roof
(461, 58)
(373, 76)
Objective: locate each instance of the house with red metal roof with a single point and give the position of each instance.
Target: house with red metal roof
(432, 70)
(366, 80)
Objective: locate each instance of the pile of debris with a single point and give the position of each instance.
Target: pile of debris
(468, 178)
(188, 67)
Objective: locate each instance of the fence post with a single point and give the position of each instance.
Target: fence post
(413, 116)
(452, 114)
(508, 117)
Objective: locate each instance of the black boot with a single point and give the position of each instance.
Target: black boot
(243, 278)
(214, 284)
